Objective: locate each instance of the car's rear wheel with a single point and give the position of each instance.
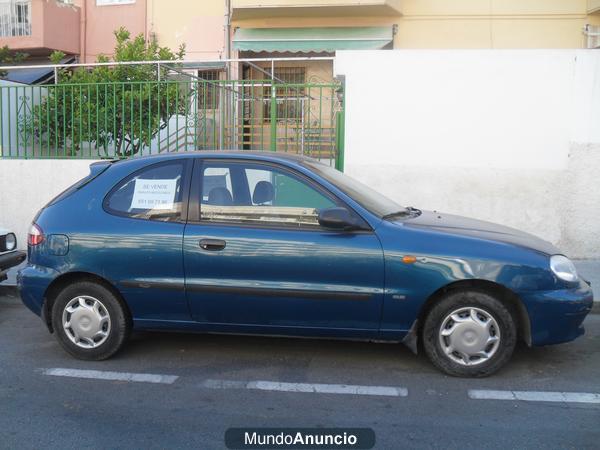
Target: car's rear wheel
(469, 334)
(89, 320)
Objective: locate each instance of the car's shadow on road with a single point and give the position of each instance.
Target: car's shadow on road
(237, 352)
(284, 357)
(243, 351)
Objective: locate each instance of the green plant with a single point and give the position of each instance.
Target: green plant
(7, 56)
(121, 107)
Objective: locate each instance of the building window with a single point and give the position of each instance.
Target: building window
(114, 2)
(208, 89)
(15, 18)
(22, 9)
(592, 33)
(290, 99)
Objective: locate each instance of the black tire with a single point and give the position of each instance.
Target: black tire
(465, 299)
(120, 324)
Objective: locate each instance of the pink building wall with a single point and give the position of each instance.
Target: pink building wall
(86, 29)
(99, 22)
(197, 23)
(54, 26)
(60, 27)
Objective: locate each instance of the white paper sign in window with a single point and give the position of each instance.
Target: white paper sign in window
(154, 194)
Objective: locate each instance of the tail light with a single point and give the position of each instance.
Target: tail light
(36, 235)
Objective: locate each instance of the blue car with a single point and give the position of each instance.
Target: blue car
(264, 243)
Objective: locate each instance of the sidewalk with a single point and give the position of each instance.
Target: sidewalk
(589, 269)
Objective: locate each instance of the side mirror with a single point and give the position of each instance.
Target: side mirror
(338, 218)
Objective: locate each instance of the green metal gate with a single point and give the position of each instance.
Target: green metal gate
(130, 119)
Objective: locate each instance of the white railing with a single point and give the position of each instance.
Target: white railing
(15, 18)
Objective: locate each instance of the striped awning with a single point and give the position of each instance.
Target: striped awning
(312, 39)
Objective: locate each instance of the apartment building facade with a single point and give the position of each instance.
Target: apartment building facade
(265, 28)
(217, 30)
(84, 27)
(295, 105)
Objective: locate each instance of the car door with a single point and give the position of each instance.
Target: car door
(140, 245)
(255, 255)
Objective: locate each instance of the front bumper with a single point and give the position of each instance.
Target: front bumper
(557, 316)
(8, 260)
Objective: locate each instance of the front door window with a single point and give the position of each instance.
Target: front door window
(257, 194)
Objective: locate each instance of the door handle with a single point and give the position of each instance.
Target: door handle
(212, 245)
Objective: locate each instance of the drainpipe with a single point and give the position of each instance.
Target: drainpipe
(146, 21)
(224, 98)
(83, 31)
(228, 37)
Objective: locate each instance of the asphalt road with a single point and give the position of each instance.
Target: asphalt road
(38, 410)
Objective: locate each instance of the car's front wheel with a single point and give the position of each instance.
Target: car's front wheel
(89, 320)
(469, 334)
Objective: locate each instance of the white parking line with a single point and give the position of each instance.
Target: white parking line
(535, 396)
(111, 376)
(388, 391)
(319, 388)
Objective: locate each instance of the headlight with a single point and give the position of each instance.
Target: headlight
(10, 241)
(563, 268)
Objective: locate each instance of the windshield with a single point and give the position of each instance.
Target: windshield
(369, 199)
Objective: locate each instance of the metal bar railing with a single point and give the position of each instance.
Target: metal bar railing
(189, 64)
(134, 118)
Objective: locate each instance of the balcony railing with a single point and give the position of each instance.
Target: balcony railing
(15, 18)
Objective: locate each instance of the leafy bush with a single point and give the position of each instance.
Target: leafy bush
(7, 57)
(121, 107)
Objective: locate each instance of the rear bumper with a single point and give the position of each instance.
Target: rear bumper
(32, 282)
(557, 316)
(9, 260)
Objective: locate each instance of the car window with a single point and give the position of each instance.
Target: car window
(214, 178)
(368, 198)
(153, 193)
(259, 194)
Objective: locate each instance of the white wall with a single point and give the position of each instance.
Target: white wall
(27, 185)
(511, 136)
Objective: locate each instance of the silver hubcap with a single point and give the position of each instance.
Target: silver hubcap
(469, 336)
(86, 322)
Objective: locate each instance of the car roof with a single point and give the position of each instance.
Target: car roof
(227, 154)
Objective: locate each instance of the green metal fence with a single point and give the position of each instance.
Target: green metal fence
(130, 119)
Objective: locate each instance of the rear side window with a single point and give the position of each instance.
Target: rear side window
(153, 193)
